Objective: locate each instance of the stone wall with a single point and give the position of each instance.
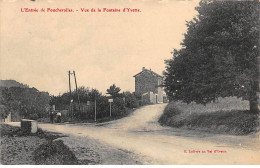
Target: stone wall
(146, 82)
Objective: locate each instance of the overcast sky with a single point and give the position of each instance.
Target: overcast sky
(103, 48)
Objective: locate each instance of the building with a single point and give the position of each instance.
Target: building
(148, 84)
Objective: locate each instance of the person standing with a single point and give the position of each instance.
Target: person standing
(58, 117)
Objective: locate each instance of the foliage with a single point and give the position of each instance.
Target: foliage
(9, 131)
(235, 122)
(118, 107)
(85, 95)
(54, 152)
(221, 104)
(131, 100)
(4, 111)
(169, 112)
(102, 107)
(27, 102)
(219, 54)
(113, 91)
(122, 103)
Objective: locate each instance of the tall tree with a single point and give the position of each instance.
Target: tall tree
(219, 54)
(113, 91)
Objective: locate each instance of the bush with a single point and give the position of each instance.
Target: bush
(24, 102)
(102, 107)
(169, 112)
(232, 122)
(131, 100)
(121, 106)
(235, 122)
(9, 131)
(54, 153)
(118, 107)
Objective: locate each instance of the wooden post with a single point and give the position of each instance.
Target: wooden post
(76, 88)
(70, 111)
(110, 101)
(110, 109)
(69, 84)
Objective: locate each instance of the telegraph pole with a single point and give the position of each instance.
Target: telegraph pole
(76, 88)
(71, 112)
(71, 99)
(69, 84)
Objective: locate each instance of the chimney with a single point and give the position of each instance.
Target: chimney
(143, 69)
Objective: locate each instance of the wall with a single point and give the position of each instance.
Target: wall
(146, 82)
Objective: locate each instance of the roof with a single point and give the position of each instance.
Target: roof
(147, 70)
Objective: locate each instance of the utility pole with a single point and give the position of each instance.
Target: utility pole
(69, 84)
(71, 111)
(71, 99)
(76, 88)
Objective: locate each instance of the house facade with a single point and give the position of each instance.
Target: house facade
(148, 84)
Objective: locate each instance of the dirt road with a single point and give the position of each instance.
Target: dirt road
(141, 135)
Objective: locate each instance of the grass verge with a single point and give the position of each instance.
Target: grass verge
(39, 148)
(234, 122)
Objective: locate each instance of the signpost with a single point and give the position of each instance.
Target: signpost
(71, 108)
(110, 101)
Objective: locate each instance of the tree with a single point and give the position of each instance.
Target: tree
(94, 94)
(130, 100)
(5, 97)
(85, 94)
(24, 102)
(219, 54)
(113, 91)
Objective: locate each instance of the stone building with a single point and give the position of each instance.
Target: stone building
(148, 84)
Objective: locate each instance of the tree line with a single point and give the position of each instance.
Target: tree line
(122, 102)
(30, 103)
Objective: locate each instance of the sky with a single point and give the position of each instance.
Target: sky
(103, 48)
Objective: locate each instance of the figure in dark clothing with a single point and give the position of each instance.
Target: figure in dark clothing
(58, 117)
(51, 116)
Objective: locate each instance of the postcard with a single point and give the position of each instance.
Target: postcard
(129, 82)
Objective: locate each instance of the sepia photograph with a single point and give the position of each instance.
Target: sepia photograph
(129, 82)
